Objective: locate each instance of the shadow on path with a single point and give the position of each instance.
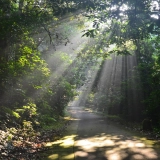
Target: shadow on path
(92, 137)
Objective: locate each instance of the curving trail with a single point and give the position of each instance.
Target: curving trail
(90, 136)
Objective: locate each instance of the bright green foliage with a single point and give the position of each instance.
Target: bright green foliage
(24, 75)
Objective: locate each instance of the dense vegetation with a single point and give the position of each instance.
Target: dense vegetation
(33, 91)
(134, 26)
(28, 92)
(31, 96)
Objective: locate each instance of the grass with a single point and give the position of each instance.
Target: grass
(58, 125)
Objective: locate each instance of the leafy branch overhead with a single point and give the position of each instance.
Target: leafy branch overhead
(134, 20)
(90, 33)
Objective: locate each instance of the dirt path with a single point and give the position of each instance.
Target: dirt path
(91, 136)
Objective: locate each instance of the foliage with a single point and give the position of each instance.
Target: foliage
(107, 101)
(149, 68)
(133, 27)
(124, 20)
(26, 86)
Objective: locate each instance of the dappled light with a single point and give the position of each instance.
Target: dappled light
(102, 146)
(67, 141)
(116, 147)
(99, 139)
